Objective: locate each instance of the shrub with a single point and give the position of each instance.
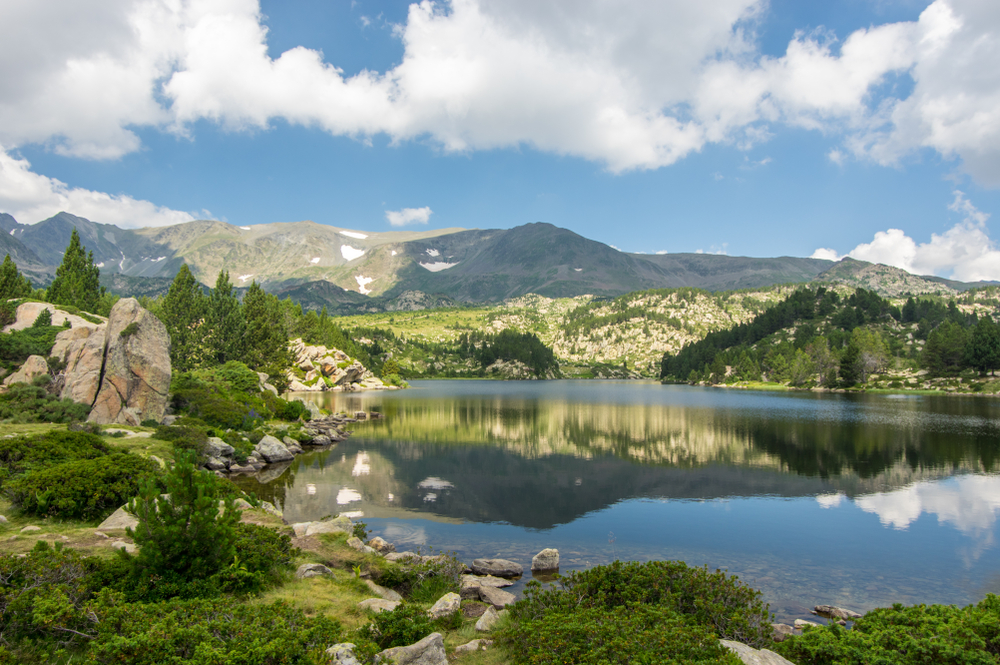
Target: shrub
(17, 345)
(129, 330)
(939, 634)
(88, 489)
(240, 377)
(402, 626)
(260, 556)
(207, 632)
(44, 319)
(24, 403)
(184, 436)
(22, 454)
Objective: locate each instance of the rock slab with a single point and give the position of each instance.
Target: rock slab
(428, 651)
(342, 654)
(308, 570)
(446, 605)
(498, 598)
(487, 621)
(378, 605)
(497, 568)
(751, 656)
(272, 450)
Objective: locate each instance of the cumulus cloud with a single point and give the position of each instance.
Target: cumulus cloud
(408, 216)
(31, 197)
(636, 85)
(964, 252)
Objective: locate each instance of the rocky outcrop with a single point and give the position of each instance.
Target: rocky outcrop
(751, 656)
(136, 377)
(29, 311)
(272, 450)
(82, 350)
(33, 367)
(319, 368)
(428, 651)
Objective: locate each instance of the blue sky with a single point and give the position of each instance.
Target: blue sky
(869, 127)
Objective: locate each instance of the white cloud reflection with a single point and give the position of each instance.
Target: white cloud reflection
(969, 503)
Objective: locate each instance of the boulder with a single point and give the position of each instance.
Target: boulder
(269, 508)
(428, 651)
(297, 386)
(836, 612)
(378, 605)
(547, 559)
(782, 631)
(292, 445)
(497, 567)
(129, 548)
(82, 349)
(30, 528)
(272, 450)
(488, 620)
(32, 367)
(342, 654)
(498, 598)
(136, 377)
(470, 585)
(351, 374)
(403, 557)
(474, 645)
(336, 525)
(381, 545)
(216, 447)
(272, 472)
(356, 543)
(27, 313)
(446, 605)
(307, 570)
(215, 464)
(120, 519)
(751, 656)
(382, 592)
(802, 623)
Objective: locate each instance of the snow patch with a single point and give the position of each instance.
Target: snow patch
(353, 234)
(314, 260)
(244, 278)
(437, 267)
(393, 251)
(160, 258)
(433, 252)
(12, 233)
(578, 269)
(99, 265)
(245, 228)
(351, 253)
(363, 282)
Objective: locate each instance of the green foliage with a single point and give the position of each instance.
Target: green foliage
(944, 352)
(12, 283)
(983, 352)
(8, 313)
(17, 345)
(401, 627)
(129, 330)
(865, 354)
(22, 454)
(226, 326)
(207, 632)
(25, 403)
(77, 280)
(422, 582)
(44, 319)
(239, 377)
(266, 336)
(183, 313)
(261, 554)
(508, 345)
(183, 538)
(89, 489)
(917, 635)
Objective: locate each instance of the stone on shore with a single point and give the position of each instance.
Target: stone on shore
(381, 545)
(498, 598)
(836, 612)
(403, 557)
(782, 631)
(488, 620)
(446, 605)
(382, 592)
(120, 519)
(474, 645)
(751, 656)
(547, 559)
(308, 570)
(342, 654)
(428, 651)
(356, 543)
(497, 567)
(802, 623)
(378, 605)
(272, 450)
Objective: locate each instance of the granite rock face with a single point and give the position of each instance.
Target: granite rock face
(32, 367)
(428, 651)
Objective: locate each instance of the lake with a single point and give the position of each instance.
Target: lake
(853, 500)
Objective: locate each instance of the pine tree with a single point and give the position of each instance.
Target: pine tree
(266, 337)
(77, 281)
(983, 350)
(184, 309)
(12, 283)
(226, 325)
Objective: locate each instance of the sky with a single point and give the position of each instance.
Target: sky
(868, 128)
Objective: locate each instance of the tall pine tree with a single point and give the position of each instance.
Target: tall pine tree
(226, 325)
(77, 281)
(184, 310)
(983, 349)
(267, 337)
(12, 283)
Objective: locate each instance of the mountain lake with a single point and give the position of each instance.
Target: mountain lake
(853, 500)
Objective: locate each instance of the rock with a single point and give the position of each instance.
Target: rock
(29, 311)
(120, 519)
(168, 420)
(300, 528)
(101, 535)
(782, 631)
(356, 543)
(381, 545)
(488, 620)
(336, 525)
(128, 547)
(31, 529)
(3, 519)
(32, 367)
(238, 468)
(307, 570)
(314, 410)
(836, 612)
(751, 656)
(269, 508)
(382, 592)
(82, 349)
(497, 567)
(428, 651)
(215, 464)
(498, 598)
(342, 654)
(802, 623)
(403, 557)
(486, 580)
(136, 376)
(547, 559)
(272, 450)
(272, 472)
(378, 605)
(297, 386)
(292, 445)
(446, 605)
(474, 645)
(238, 504)
(158, 461)
(216, 447)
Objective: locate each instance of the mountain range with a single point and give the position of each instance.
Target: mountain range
(353, 271)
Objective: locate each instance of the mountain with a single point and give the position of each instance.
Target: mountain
(887, 281)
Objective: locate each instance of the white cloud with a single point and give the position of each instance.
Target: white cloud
(408, 216)
(31, 197)
(964, 252)
(633, 85)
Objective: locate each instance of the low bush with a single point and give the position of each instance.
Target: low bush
(207, 632)
(261, 556)
(26, 403)
(89, 489)
(239, 377)
(21, 454)
(423, 582)
(17, 345)
(401, 627)
(938, 634)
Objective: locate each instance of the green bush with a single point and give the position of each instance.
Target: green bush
(240, 377)
(622, 599)
(44, 319)
(17, 345)
(89, 489)
(401, 627)
(917, 635)
(207, 632)
(129, 330)
(26, 403)
(22, 454)
(261, 554)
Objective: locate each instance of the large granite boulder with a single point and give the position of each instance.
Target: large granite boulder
(751, 656)
(34, 366)
(82, 349)
(272, 450)
(428, 651)
(547, 559)
(446, 605)
(136, 377)
(27, 313)
(497, 568)
(498, 598)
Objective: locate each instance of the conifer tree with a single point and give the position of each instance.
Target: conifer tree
(184, 310)
(266, 337)
(12, 283)
(983, 350)
(77, 281)
(226, 325)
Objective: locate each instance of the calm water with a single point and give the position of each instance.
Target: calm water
(844, 499)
